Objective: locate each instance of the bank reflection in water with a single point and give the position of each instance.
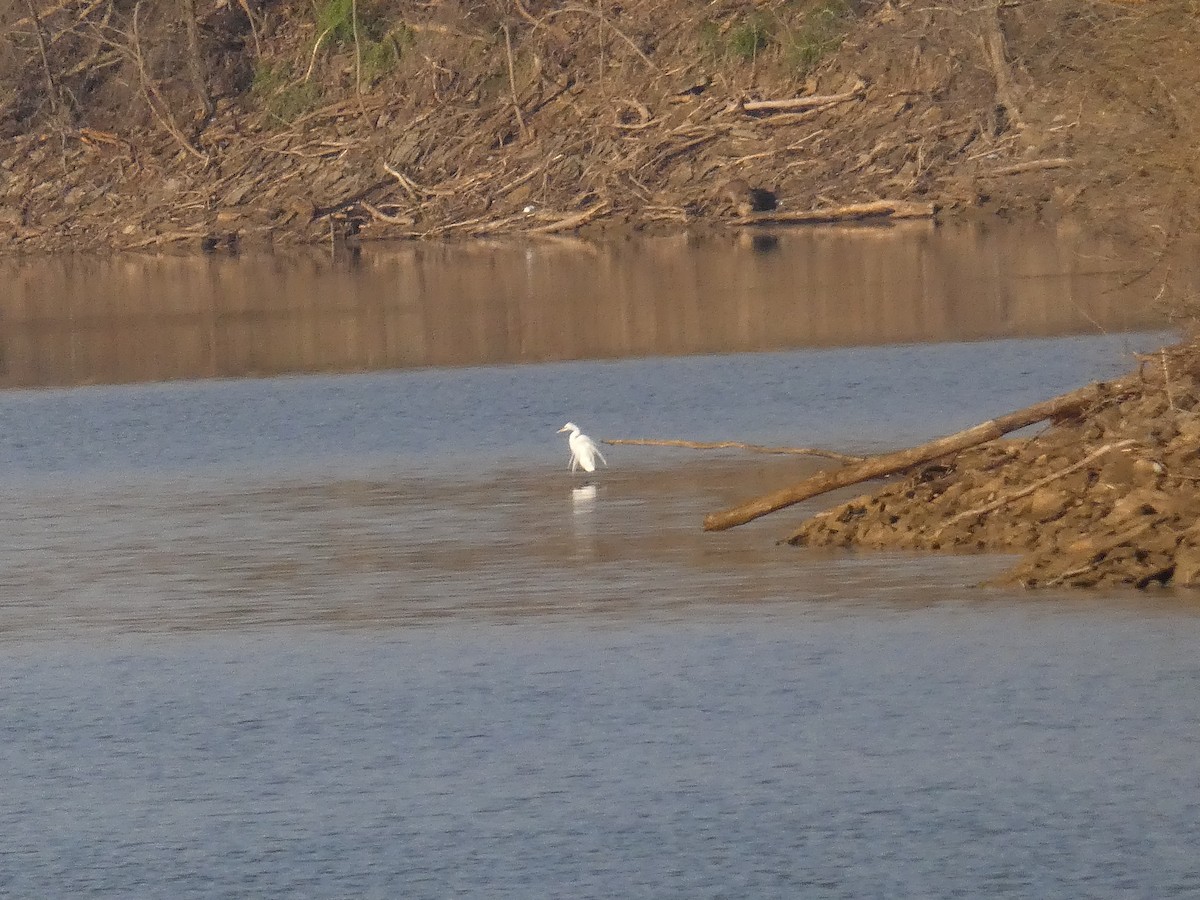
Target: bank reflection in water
(68, 320)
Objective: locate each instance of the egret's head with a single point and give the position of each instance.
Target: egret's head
(570, 426)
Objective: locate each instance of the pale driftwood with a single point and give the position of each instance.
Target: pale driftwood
(1029, 489)
(169, 237)
(380, 216)
(890, 463)
(1034, 165)
(571, 221)
(414, 190)
(875, 209)
(735, 445)
(791, 104)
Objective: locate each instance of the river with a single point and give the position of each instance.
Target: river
(362, 633)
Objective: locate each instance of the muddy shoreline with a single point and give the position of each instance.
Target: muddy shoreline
(431, 122)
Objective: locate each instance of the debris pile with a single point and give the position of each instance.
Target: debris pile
(1109, 495)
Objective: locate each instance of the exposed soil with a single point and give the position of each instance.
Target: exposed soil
(1110, 497)
(276, 121)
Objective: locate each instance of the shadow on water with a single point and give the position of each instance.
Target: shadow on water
(77, 320)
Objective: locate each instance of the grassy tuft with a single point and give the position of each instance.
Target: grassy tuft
(821, 31)
(283, 99)
(743, 40)
(748, 39)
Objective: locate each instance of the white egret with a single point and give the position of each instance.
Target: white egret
(584, 451)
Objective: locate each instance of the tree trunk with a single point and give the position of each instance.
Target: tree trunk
(197, 70)
(890, 463)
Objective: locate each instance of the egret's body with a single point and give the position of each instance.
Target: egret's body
(584, 451)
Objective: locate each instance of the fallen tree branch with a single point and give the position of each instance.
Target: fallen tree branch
(792, 104)
(1029, 489)
(35, 17)
(52, 91)
(413, 189)
(1034, 165)
(571, 221)
(152, 95)
(512, 84)
(380, 216)
(735, 445)
(875, 209)
(890, 463)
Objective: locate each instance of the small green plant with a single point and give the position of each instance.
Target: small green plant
(743, 40)
(282, 98)
(335, 21)
(379, 58)
(268, 79)
(335, 18)
(748, 39)
(709, 34)
(821, 31)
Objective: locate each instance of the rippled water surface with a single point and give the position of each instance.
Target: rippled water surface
(365, 636)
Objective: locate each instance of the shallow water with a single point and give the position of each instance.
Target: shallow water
(364, 635)
(842, 749)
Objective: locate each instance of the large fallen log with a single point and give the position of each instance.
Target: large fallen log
(734, 445)
(890, 463)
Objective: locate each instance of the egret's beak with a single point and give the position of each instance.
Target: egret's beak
(561, 430)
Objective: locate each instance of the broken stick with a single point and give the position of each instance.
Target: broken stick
(890, 463)
(735, 445)
(791, 104)
(570, 222)
(1033, 165)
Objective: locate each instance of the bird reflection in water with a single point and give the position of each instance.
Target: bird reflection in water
(583, 498)
(583, 522)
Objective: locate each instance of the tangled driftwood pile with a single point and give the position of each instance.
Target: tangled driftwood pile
(536, 117)
(1109, 494)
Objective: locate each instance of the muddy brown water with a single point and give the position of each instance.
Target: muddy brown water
(363, 634)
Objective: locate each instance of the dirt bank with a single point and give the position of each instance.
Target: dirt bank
(1108, 496)
(222, 122)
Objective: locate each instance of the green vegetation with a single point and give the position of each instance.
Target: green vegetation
(380, 46)
(379, 57)
(801, 37)
(743, 40)
(283, 98)
(748, 38)
(821, 31)
(335, 18)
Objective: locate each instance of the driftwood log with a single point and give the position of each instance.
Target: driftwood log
(875, 209)
(734, 445)
(792, 104)
(1033, 165)
(891, 463)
